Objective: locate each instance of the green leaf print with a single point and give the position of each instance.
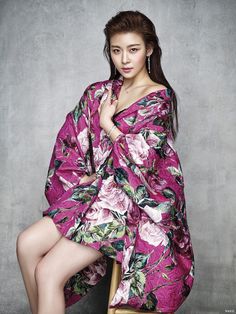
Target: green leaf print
(78, 284)
(128, 189)
(118, 245)
(158, 121)
(74, 229)
(130, 120)
(160, 137)
(84, 194)
(118, 216)
(53, 212)
(170, 267)
(151, 302)
(147, 202)
(173, 212)
(108, 250)
(77, 112)
(63, 220)
(177, 173)
(141, 192)
(131, 234)
(139, 261)
(117, 123)
(165, 276)
(143, 112)
(81, 288)
(174, 171)
(90, 237)
(169, 193)
(162, 207)
(144, 102)
(137, 284)
(57, 163)
(111, 230)
(50, 172)
(119, 232)
(121, 176)
(114, 229)
(98, 92)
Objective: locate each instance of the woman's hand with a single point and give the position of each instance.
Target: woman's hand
(107, 109)
(87, 178)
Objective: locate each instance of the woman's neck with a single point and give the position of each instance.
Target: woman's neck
(142, 79)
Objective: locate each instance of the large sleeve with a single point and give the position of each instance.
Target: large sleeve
(70, 156)
(141, 154)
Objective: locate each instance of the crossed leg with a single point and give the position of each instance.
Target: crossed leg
(47, 260)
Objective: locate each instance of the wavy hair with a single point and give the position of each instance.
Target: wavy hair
(135, 21)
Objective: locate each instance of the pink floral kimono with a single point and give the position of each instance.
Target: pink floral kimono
(134, 211)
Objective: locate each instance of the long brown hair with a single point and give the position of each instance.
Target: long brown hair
(135, 21)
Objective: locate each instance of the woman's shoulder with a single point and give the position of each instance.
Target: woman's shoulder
(99, 85)
(96, 89)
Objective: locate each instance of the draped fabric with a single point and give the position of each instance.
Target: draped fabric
(134, 211)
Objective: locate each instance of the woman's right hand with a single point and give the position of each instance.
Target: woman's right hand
(87, 178)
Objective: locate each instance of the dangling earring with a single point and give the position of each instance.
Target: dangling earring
(115, 70)
(149, 67)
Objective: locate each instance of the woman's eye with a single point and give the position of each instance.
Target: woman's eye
(132, 50)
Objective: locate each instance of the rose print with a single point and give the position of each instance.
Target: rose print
(113, 198)
(152, 234)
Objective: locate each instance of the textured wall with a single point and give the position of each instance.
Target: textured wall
(49, 52)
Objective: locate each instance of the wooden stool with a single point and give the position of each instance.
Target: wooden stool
(115, 280)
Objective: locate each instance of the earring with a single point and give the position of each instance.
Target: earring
(115, 70)
(149, 67)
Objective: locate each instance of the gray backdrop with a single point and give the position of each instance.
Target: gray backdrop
(50, 51)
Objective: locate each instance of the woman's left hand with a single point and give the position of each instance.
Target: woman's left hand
(107, 109)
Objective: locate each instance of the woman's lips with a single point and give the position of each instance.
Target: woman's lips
(126, 70)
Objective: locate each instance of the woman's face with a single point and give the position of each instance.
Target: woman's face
(128, 51)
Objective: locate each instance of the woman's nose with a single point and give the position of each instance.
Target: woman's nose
(125, 58)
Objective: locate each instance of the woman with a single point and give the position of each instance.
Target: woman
(115, 188)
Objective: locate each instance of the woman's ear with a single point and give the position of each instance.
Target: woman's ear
(149, 50)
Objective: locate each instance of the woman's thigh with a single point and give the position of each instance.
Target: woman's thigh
(64, 260)
(38, 238)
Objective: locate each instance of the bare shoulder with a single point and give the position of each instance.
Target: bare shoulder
(160, 86)
(153, 87)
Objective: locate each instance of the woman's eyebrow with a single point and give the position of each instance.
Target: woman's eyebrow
(127, 46)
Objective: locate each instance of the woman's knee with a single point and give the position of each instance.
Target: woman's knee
(24, 242)
(47, 277)
(42, 273)
(38, 238)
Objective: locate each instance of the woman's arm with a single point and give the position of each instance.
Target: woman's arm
(114, 133)
(69, 160)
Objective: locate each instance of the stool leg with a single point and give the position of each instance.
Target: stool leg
(115, 280)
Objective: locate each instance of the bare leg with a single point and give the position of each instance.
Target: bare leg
(64, 260)
(32, 244)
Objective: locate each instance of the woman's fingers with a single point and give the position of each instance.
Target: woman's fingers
(114, 102)
(109, 95)
(107, 100)
(87, 178)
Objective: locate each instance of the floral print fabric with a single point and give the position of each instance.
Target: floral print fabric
(135, 210)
